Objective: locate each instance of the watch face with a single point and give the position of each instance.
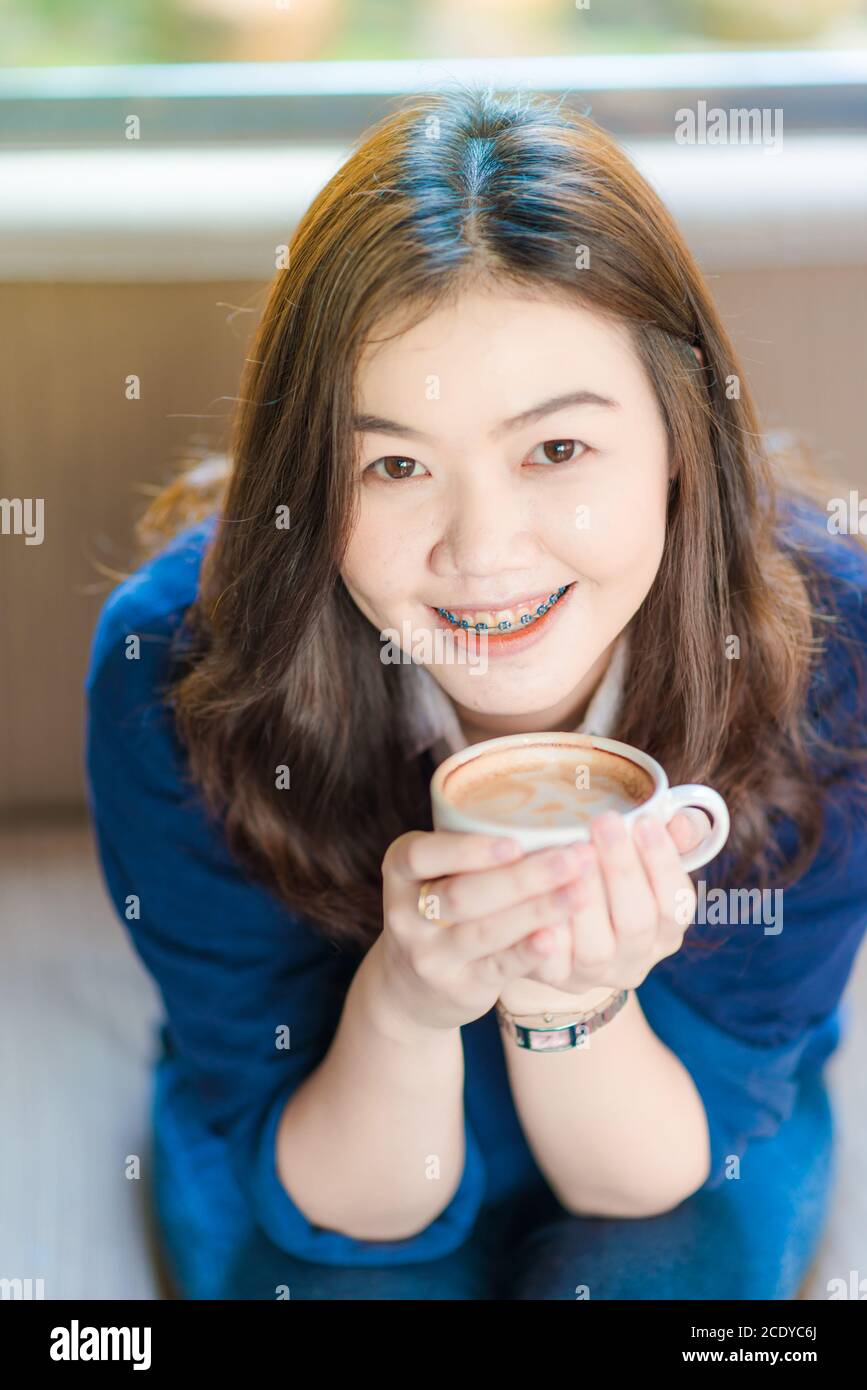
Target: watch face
(550, 1042)
(555, 1040)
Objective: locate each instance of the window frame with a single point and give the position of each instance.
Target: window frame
(632, 95)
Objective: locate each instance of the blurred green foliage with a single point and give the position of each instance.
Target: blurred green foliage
(82, 32)
(48, 32)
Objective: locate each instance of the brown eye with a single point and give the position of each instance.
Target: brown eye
(559, 450)
(396, 466)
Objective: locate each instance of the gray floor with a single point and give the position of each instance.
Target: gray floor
(77, 1014)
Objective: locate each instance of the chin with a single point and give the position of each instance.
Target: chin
(502, 692)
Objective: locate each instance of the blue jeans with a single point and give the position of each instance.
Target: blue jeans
(752, 1238)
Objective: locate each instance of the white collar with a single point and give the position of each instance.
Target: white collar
(435, 725)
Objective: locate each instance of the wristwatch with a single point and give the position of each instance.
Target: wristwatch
(556, 1032)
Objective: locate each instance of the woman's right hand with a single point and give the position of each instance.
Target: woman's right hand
(491, 913)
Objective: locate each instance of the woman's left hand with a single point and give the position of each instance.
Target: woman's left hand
(632, 902)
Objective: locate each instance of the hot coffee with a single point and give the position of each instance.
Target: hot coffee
(546, 786)
(544, 789)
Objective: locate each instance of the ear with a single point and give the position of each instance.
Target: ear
(699, 356)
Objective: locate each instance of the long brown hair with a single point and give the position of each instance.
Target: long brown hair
(279, 668)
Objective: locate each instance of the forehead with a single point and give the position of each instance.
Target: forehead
(497, 311)
(493, 348)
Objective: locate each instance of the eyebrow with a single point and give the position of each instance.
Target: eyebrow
(379, 424)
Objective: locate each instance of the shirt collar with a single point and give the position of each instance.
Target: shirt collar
(434, 725)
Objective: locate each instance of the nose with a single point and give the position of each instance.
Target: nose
(485, 530)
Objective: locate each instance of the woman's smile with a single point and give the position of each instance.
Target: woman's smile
(526, 625)
(505, 618)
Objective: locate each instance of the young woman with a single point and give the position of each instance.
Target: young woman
(490, 385)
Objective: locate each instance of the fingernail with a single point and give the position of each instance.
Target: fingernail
(697, 819)
(505, 849)
(583, 859)
(647, 831)
(558, 861)
(609, 827)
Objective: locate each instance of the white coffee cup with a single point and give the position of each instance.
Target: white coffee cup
(658, 798)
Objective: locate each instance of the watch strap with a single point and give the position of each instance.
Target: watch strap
(550, 1031)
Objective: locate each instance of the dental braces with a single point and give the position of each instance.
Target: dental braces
(505, 626)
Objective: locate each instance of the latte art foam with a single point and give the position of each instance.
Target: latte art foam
(549, 786)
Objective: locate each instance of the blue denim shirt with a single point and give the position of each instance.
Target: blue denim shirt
(234, 964)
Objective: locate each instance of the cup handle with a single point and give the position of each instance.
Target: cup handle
(706, 799)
